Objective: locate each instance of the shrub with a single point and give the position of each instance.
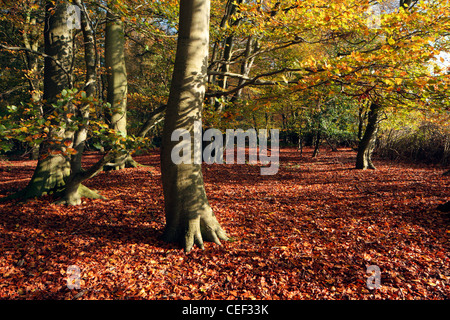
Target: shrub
(428, 143)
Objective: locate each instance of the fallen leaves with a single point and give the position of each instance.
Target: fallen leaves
(309, 232)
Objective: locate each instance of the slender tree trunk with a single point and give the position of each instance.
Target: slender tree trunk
(31, 41)
(74, 190)
(222, 81)
(116, 76)
(154, 118)
(317, 143)
(367, 143)
(246, 66)
(189, 217)
(361, 118)
(300, 144)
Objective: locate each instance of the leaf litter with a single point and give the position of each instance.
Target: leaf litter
(308, 232)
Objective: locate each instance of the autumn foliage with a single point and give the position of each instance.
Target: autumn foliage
(347, 75)
(309, 232)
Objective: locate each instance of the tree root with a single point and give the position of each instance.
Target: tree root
(74, 198)
(195, 232)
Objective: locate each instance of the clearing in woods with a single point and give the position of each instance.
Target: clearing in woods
(308, 232)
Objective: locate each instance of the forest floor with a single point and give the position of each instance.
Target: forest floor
(308, 232)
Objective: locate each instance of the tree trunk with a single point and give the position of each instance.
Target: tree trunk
(116, 76)
(361, 118)
(31, 41)
(189, 217)
(246, 66)
(222, 81)
(300, 144)
(52, 168)
(367, 143)
(55, 172)
(74, 190)
(317, 143)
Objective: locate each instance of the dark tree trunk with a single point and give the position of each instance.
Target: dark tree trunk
(317, 143)
(361, 119)
(367, 143)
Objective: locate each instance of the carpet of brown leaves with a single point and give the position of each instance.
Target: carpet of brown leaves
(308, 232)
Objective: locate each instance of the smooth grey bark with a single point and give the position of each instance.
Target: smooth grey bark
(117, 85)
(74, 191)
(367, 143)
(52, 168)
(55, 172)
(251, 47)
(189, 217)
(116, 76)
(90, 88)
(222, 80)
(153, 118)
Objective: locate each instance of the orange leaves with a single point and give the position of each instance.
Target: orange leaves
(71, 151)
(308, 232)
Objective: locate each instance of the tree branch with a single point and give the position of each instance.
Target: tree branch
(152, 120)
(2, 46)
(256, 80)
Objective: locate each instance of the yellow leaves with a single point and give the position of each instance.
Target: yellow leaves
(357, 56)
(398, 81)
(391, 41)
(415, 39)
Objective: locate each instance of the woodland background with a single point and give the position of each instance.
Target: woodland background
(351, 85)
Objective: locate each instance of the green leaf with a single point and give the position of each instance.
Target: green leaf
(98, 145)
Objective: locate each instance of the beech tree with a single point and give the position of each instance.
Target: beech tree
(53, 168)
(116, 76)
(189, 217)
(64, 122)
(261, 50)
(367, 143)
